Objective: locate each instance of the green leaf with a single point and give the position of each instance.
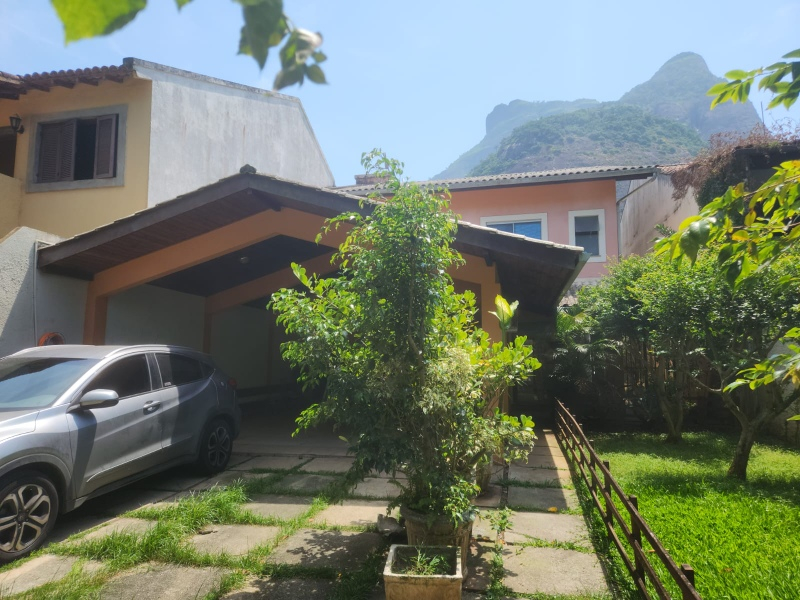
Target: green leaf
(689, 245)
(264, 27)
(319, 56)
(287, 77)
(315, 74)
(794, 418)
(792, 54)
(182, 3)
(736, 74)
(90, 18)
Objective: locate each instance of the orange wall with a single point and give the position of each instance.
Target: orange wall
(556, 200)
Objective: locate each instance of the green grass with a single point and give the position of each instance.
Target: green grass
(742, 539)
(166, 543)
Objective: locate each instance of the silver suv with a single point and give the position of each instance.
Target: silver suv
(80, 421)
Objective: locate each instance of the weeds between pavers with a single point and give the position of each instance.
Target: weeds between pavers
(165, 543)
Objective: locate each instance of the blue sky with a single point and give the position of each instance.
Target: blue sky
(418, 78)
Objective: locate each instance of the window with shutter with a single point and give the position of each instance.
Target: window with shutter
(56, 151)
(77, 149)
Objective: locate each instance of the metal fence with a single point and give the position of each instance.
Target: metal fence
(608, 496)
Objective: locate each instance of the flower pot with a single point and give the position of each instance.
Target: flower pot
(405, 586)
(437, 530)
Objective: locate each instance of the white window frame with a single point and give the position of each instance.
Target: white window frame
(600, 213)
(541, 217)
(33, 185)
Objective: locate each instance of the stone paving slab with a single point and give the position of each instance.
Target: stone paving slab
(543, 461)
(174, 480)
(376, 487)
(121, 501)
(275, 463)
(331, 464)
(222, 479)
(482, 530)
(310, 484)
(283, 589)
(546, 476)
(542, 498)
(238, 458)
(42, 569)
(326, 549)
(280, 507)
(553, 571)
(162, 581)
(236, 540)
(363, 513)
(121, 525)
(479, 563)
(547, 526)
(490, 498)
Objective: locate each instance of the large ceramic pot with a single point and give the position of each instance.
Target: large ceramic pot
(437, 530)
(405, 586)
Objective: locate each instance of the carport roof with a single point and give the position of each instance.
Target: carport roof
(535, 272)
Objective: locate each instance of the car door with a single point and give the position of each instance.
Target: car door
(115, 442)
(188, 398)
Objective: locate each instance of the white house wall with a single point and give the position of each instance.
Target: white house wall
(648, 204)
(204, 129)
(152, 315)
(240, 345)
(33, 303)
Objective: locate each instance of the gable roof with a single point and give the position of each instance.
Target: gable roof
(534, 271)
(529, 178)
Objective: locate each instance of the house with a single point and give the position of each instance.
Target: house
(575, 207)
(161, 233)
(647, 203)
(100, 144)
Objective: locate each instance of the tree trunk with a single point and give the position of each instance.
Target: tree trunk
(741, 456)
(671, 408)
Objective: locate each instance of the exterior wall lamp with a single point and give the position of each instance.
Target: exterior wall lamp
(16, 124)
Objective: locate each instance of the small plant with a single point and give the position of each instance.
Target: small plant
(423, 561)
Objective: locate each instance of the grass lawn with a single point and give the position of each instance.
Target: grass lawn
(743, 539)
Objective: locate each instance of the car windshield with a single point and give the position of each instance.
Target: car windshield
(28, 382)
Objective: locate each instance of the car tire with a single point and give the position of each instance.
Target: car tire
(216, 446)
(28, 510)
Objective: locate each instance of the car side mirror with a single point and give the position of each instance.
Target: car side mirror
(98, 399)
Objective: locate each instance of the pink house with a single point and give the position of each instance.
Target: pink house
(573, 207)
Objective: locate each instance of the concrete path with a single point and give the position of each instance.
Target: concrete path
(306, 552)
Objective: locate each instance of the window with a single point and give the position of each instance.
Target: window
(77, 149)
(128, 377)
(177, 369)
(532, 225)
(587, 229)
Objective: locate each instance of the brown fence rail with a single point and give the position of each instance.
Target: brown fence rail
(607, 495)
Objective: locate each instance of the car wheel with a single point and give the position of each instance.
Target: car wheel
(28, 511)
(215, 447)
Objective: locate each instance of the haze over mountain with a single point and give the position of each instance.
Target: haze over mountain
(664, 120)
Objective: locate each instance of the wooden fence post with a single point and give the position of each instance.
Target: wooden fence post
(607, 487)
(689, 573)
(636, 533)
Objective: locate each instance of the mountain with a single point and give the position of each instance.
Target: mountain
(676, 92)
(611, 134)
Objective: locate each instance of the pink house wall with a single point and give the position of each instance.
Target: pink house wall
(556, 201)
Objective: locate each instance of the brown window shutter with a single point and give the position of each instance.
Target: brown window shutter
(66, 158)
(49, 142)
(105, 147)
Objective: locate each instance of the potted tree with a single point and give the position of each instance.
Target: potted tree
(408, 375)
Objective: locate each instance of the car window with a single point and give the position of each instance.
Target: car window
(128, 377)
(177, 369)
(27, 382)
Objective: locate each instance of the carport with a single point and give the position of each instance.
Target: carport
(199, 270)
